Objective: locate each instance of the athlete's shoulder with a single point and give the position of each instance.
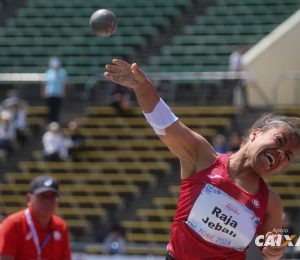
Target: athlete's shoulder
(275, 203)
(274, 197)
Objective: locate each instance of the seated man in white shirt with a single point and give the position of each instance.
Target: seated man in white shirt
(54, 143)
(18, 109)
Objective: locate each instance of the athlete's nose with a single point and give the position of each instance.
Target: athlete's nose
(281, 154)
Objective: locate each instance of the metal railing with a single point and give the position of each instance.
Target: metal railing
(34, 78)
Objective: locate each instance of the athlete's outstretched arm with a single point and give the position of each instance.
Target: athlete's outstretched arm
(192, 149)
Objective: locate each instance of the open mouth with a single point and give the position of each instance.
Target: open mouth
(271, 159)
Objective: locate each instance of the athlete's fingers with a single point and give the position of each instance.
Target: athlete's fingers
(135, 69)
(137, 72)
(121, 63)
(114, 77)
(112, 68)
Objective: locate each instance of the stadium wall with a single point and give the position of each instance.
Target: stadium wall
(271, 59)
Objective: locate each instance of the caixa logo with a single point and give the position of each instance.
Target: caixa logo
(275, 239)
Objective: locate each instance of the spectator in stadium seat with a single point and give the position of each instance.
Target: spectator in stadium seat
(75, 140)
(18, 109)
(54, 88)
(7, 132)
(114, 242)
(219, 143)
(36, 232)
(54, 145)
(224, 202)
(121, 100)
(235, 141)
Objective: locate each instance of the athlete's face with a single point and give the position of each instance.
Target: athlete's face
(44, 204)
(271, 150)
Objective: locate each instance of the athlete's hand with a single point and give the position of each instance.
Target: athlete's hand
(272, 252)
(125, 74)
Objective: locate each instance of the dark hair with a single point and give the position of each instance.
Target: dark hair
(271, 120)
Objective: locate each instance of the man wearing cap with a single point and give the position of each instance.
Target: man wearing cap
(36, 233)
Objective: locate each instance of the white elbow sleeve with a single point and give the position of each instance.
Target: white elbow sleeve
(161, 117)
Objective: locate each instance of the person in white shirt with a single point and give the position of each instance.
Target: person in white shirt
(236, 59)
(18, 109)
(236, 65)
(54, 143)
(7, 132)
(54, 87)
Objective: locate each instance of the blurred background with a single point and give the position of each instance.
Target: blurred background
(218, 63)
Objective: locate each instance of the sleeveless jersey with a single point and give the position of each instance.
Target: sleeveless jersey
(215, 219)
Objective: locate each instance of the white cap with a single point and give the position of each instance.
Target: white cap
(54, 126)
(54, 62)
(5, 115)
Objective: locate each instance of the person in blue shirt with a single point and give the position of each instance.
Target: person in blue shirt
(54, 88)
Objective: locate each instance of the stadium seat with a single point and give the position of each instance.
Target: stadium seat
(132, 122)
(123, 161)
(147, 237)
(42, 29)
(224, 24)
(153, 225)
(85, 178)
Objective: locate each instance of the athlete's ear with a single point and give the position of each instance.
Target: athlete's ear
(254, 134)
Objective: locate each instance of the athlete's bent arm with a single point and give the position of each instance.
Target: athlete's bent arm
(272, 222)
(192, 149)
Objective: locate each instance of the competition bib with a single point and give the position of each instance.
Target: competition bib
(222, 220)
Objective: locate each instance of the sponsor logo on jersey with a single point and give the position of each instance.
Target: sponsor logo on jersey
(256, 203)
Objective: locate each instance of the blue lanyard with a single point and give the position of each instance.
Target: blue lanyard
(39, 247)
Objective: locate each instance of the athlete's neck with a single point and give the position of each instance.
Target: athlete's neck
(241, 175)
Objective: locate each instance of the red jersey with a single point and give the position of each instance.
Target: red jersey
(215, 219)
(17, 239)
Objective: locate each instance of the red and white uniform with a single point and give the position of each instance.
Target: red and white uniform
(215, 219)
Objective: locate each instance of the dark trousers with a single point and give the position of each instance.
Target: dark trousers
(54, 104)
(241, 84)
(229, 86)
(54, 157)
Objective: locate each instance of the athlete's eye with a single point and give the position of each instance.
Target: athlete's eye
(289, 156)
(278, 140)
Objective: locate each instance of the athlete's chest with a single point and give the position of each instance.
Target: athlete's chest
(218, 216)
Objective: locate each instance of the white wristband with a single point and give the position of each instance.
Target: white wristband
(161, 117)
